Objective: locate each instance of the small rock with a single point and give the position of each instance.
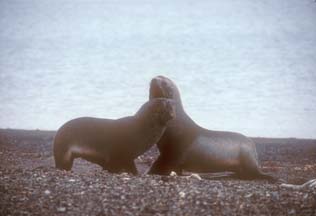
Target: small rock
(195, 176)
(291, 212)
(173, 173)
(47, 192)
(241, 206)
(61, 209)
(275, 196)
(305, 196)
(248, 195)
(71, 180)
(182, 194)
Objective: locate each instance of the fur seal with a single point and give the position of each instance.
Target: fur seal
(187, 146)
(113, 144)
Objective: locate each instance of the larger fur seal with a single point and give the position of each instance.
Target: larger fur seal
(187, 146)
(113, 144)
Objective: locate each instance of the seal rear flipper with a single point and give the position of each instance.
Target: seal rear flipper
(268, 177)
(249, 167)
(259, 176)
(214, 176)
(256, 174)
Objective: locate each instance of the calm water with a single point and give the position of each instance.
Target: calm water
(246, 66)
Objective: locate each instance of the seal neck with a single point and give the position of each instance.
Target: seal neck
(149, 120)
(150, 128)
(182, 116)
(179, 105)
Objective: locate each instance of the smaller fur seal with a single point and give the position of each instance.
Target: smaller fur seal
(113, 144)
(187, 146)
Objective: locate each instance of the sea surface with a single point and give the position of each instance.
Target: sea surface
(244, 65)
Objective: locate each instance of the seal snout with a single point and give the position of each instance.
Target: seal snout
(155, 88)
(170, 110)
(171, 105)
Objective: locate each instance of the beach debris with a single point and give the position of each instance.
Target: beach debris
(47, 192)
(195, 176)
(61, 209)
(307, 185)
(249, 195)
(291, 211)
(182, 194)
(172, 173)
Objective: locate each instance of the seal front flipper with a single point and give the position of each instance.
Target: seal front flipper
(62, 156)
(64, 162)
(159, 167)
(121, 166)
(131, 168)
(163, 166)
(233, 175)
(256, 175)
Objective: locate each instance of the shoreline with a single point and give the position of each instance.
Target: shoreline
(257, 138)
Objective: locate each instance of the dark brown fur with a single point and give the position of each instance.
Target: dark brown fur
(113, 144)
(187, 146)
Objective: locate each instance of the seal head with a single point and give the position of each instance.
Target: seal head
(160, 110)
(162, 87)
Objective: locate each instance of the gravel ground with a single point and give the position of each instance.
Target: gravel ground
(30, 185)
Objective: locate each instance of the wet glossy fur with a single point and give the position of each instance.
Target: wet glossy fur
(112, 144)
(187, 146)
